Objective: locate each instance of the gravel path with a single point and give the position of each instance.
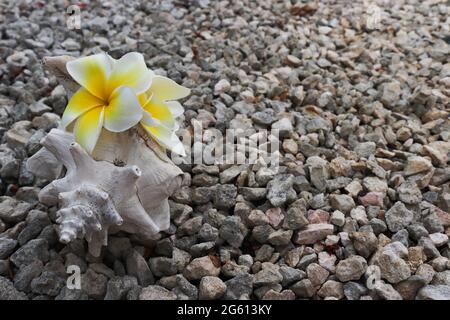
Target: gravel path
(359, 208)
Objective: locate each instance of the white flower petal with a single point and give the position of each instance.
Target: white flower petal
(123, 111)
(159, 110)
(148, 119)
(167, 89)
(166, 138)
(91, 72)
(88, 128)
(176, 108)
(80, 102)
(130, 71)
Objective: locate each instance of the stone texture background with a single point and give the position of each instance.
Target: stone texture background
(360, 95)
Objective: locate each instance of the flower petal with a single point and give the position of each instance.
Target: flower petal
(91, 72)
(166, 138)
(148, 120)
(176, 108)
(167, 89)
(160, 111)
(123, 111)
(130, 71)
(88, 128)
(80, 102)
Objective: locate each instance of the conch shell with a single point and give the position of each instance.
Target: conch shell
(124, 185)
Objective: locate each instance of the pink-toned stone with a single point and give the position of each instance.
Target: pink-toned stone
(372, 199)
(313, 233)
(283, 295)
(275, 216)
(443, 216)
(318, 216)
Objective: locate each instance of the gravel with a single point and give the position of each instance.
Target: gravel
(201, 267)
(351, 268)
(7, 247)
(434, 292)
(364, 147)
(155, 292)
(8, 292)
(211, 288)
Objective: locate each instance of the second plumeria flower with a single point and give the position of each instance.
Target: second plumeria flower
(108, 95)
(161, 111)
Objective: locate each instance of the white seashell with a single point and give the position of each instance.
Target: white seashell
(124, 185)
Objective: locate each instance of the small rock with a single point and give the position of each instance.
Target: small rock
(442, 278)
(154, 292)
(7, 247)
(365, 243)
(138, 267)
(386, 291)
(119, 247)
(337, 218)
(221, 87)
(267, 276)
(317, 274)
(23, 278)
(294, 218)
(233, 231)
(416, 164)
(191, 226)
(372, 199)
(280, 237)
(432, 292)
(439, 239)
(283, 295)
(351, 268)
(391, 94)
(303, 288)
(409, 193)
(280, 189)
(94, 284)
(211, 288)
(331, 288)
(48, 283)
(318, 216)
(201, 267)
(36, 221)
(313, 233)
(342, 202)
(284, 126)
(162, 266)
(426, 272)
(375, 184)
(8, 292)
(398, 217)
(239, 286)
(408, 288)
(354, 290)
(117, 287)
(13, 211)
(393, 268)
(225, 196)
(365, 149)
(290, 275)
(33, 250)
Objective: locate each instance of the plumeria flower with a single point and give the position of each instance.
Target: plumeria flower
(108, 96)
(160, 111)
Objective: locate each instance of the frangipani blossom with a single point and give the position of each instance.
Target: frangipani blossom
(108, 96)
(160, 112)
